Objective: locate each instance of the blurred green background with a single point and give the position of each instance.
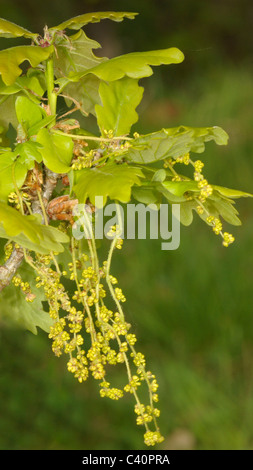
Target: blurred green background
(192, 308)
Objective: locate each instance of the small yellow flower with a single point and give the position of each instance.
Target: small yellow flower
(227, 239)
(151, 438)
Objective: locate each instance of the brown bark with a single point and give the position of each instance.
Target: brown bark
(8, 270)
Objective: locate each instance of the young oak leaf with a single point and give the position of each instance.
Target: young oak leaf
(28, 113)
(223, 207)
(231, 193)
(7, 112)
(113, 181)
(78, 58)
(15, 165)
(10, 60)
(79, 21)
(18, 312)
(11, 170)
(28, 85)
(218, 204)
(28, 231)
(119, 101)
(134, 65)
(178, 188)
(56, 151)
(12, 30)
(28, 152)
(174, 142)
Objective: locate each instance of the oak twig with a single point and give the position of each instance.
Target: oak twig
(10, 267)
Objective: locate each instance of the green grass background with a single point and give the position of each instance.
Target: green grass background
(191, 308)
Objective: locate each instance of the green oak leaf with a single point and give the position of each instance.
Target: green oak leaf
(28, 152)
(46, 121)
(11, 58)
(7, 112)
(113, 181)
(160, 175)
(186, 215)
(134, 65)
(231, 193)
(219, 206)
(81, 20)
(119, 100)
(186, 207)
(56, 151)
(28, 113)
(146, 195)
(29, 85)
(75, 54)
(28, 231)
(172, 198)
(178, 188)
(12, 30)
(84, 92)
(216, 204)
(12, 174)
(174, 142)
(78, 58)
(18, 312)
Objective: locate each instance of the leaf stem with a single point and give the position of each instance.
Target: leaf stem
(91, 137)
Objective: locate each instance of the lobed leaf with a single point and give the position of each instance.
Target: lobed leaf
(11, 58)
(28, 231)
(17, 311)
(160, 175)
(12, 30)
(119, 101)
(74, 55)
(79, 21)
(178, 188)
(12, 174)
(28, 152)
(231, 193)
(217, 204)
(174, 142)
(186, 214)
(134, 65)
(146, 194)
(28, 113)
(29, 85)
(32, 85)
(56, 151)
(224, 208)
(7, 113)
(172, 198)
(33, 131)
(113, 181)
